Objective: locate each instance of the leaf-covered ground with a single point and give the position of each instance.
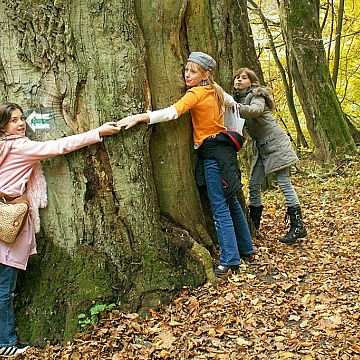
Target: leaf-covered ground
(289, 302)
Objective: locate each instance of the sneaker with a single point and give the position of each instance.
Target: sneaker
(13, 351)
(222, 270)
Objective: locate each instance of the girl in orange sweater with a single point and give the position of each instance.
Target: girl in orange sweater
(216, 149)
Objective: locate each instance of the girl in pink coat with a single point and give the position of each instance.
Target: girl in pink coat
(20, 173)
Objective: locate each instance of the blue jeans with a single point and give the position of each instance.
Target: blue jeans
(230, 223)
(8, 276)
(283, 179)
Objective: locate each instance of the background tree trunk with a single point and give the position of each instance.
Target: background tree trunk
(337, 53)
(243, 46)
(124, 222)
(288, 87)
(308, 65)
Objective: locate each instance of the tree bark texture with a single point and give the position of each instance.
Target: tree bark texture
(309, 67)
(124, 222)
(243, 42)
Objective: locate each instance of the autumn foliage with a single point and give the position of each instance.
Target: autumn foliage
(289, 302)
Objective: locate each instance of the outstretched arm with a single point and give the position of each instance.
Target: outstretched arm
(39, 150)
(151, 117)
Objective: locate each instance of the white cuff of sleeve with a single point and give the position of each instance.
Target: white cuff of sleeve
(163, 115)
(228, 100)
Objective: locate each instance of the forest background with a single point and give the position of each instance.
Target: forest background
(340, 35)
(125, 223)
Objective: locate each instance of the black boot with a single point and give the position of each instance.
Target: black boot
(255, 215)
(297, 227)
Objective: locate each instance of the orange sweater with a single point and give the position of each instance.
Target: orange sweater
(204, 110)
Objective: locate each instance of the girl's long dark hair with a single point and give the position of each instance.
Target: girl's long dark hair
(5, 113)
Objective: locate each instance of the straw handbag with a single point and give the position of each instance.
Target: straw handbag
(13, 214)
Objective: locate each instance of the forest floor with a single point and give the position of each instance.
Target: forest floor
(289, 302)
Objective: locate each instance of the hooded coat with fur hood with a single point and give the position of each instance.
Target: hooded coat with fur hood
(20, 172)
(272, 142)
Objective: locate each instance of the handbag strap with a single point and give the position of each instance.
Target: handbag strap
(14, 199)
(7, 197)
(3, 198)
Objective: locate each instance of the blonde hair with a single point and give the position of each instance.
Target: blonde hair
(219, 92)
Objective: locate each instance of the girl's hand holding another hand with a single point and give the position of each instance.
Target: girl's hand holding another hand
(109, 128)
(131, 120)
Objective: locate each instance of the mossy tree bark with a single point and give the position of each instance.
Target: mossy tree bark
(124, 221)
(309, 67)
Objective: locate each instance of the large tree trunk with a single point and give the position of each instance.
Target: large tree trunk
(124, 221)
(325, 119)
(166, 43)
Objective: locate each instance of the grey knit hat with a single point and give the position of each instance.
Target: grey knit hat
(202, 59)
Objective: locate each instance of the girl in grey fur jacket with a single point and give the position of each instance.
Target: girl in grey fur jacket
(274, 151)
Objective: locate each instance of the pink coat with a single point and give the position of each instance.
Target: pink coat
(17, 162)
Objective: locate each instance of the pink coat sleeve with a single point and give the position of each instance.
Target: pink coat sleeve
(39, 150)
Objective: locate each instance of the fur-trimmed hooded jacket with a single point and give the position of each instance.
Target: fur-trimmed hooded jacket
(19, 162)
(272, 142)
